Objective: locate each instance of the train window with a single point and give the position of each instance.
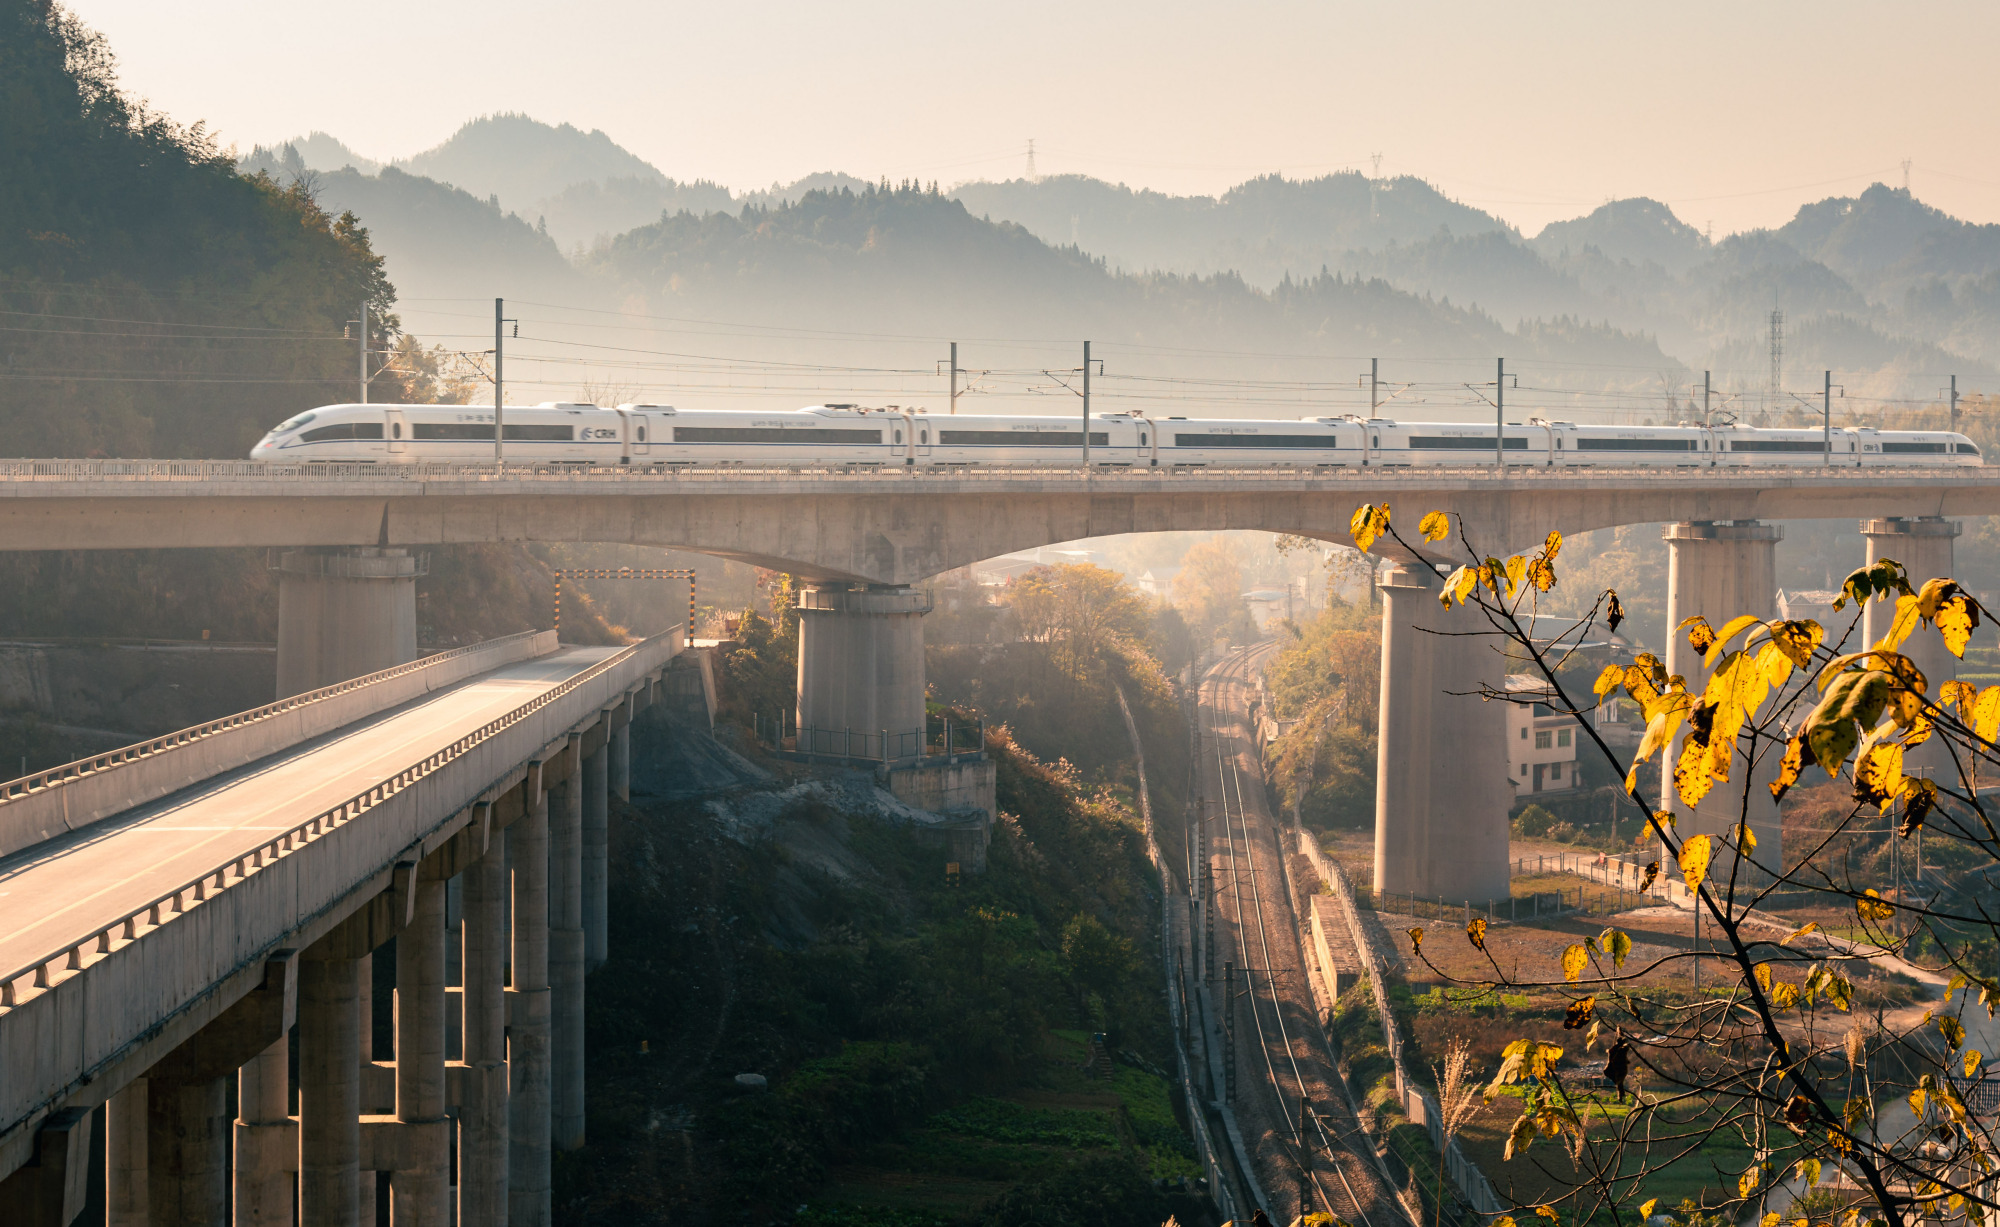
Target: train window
(899, 436)
(292, 424)
(923, 436)
(1142, 438)
(343, 430)
(396, 431)
(642, 434)
(1377, 442)
(1968, 449)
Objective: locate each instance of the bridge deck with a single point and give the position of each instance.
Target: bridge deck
(65, 889)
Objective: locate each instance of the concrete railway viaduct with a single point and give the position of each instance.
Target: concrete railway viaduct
(173, 911)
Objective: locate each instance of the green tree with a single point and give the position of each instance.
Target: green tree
(1209, 591)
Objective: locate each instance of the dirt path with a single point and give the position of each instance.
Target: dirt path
(1280, 1054)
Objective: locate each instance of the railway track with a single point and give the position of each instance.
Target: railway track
(1294, 1108)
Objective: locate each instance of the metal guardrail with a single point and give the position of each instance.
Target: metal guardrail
(54, 777)
(673, 475)
(47, 970)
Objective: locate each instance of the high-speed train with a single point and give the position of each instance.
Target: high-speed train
(659, 435)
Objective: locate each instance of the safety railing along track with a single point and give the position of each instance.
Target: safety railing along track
(28, 785)
(46, 971)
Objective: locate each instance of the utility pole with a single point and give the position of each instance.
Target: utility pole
(1954, 402)
(499, 397)
(1374, 385)
(1826, 419)
(1500, 414)
(364, 353)
(954, 376)
(1086, 408)
(1706, 388)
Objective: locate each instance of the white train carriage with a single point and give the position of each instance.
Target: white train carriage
(657, 435)
(1308, 441)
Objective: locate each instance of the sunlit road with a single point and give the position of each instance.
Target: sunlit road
(64, 890)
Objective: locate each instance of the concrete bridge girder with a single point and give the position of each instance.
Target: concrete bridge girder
(900, 530)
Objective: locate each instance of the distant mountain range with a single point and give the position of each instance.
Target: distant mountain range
(1881, 287)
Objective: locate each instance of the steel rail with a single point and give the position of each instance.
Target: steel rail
(1228, 779)
(55, 967)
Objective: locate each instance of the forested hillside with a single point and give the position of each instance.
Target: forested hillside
(161, 304)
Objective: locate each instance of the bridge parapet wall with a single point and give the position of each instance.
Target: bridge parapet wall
(72, 796)
(81, 1011)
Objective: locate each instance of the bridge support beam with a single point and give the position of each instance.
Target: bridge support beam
(330, 1026)
(420, 1183)
(482, 1116)
(566, 947)
(861, 671)
(1720, 570)
(1441, 791)
(528, 1182)
(596, 856)
(126, 1203)
(344, 613)
(1924, 546)
(621, 755)
(267, 1141)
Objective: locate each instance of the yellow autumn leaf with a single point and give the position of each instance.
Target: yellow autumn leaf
(1517, 570)
(1986, 714)
(1746, 839)
(1748, 1182)
(1762, 974)
(1646, 1209)
(1692, 778)
(1952, 1030)
(1957, 618)
(1368, 524)
(1457, 586)
(1973, 1057)
(1878, 775)
(1541, 574)
(1730, 630)
(1701, 636)
(1789, 767)
(1435, 526)
(1797, 638)
(1871, 906)
(1774, 664)
(1574, 960)
(1900, 626)
(1695, 854)
(1608, 680)
(1808, 927)
(1959, 697)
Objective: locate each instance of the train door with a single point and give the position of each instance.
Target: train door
(924, 442)
(1149, 443)
(399, 430)
(636, 434)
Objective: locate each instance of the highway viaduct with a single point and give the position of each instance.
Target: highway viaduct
(184, 985)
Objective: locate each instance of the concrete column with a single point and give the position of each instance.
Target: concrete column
(378, 1095)
(1441, 790)
(861, 670)
(126, 1203)
(187, 1152)
(528, 1156)
(420, 1187)
(1721, 570)
(482, 1117)
(344, 613)
(266, 1140)
(330, 1026)
(52, 1188)
(596, 858)
(1924, 547)
(621, 755)
(566, 954)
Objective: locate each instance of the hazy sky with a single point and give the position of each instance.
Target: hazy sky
(1734, 113)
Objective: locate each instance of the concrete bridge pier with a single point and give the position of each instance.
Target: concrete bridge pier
(621, 754)
(861, 670)
(528, 1055)
(126, 1203)
(1720, 570)
(482, 1117)
(267, 1141)
(1923, 544)
(1441, 791)
(566, 946)
(596, 852)
(420, 1146)
(343, 613)
(330, 1028)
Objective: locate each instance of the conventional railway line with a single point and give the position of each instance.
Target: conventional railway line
(1294, 1111)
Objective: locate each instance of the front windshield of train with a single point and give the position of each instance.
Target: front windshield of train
(292, 423)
